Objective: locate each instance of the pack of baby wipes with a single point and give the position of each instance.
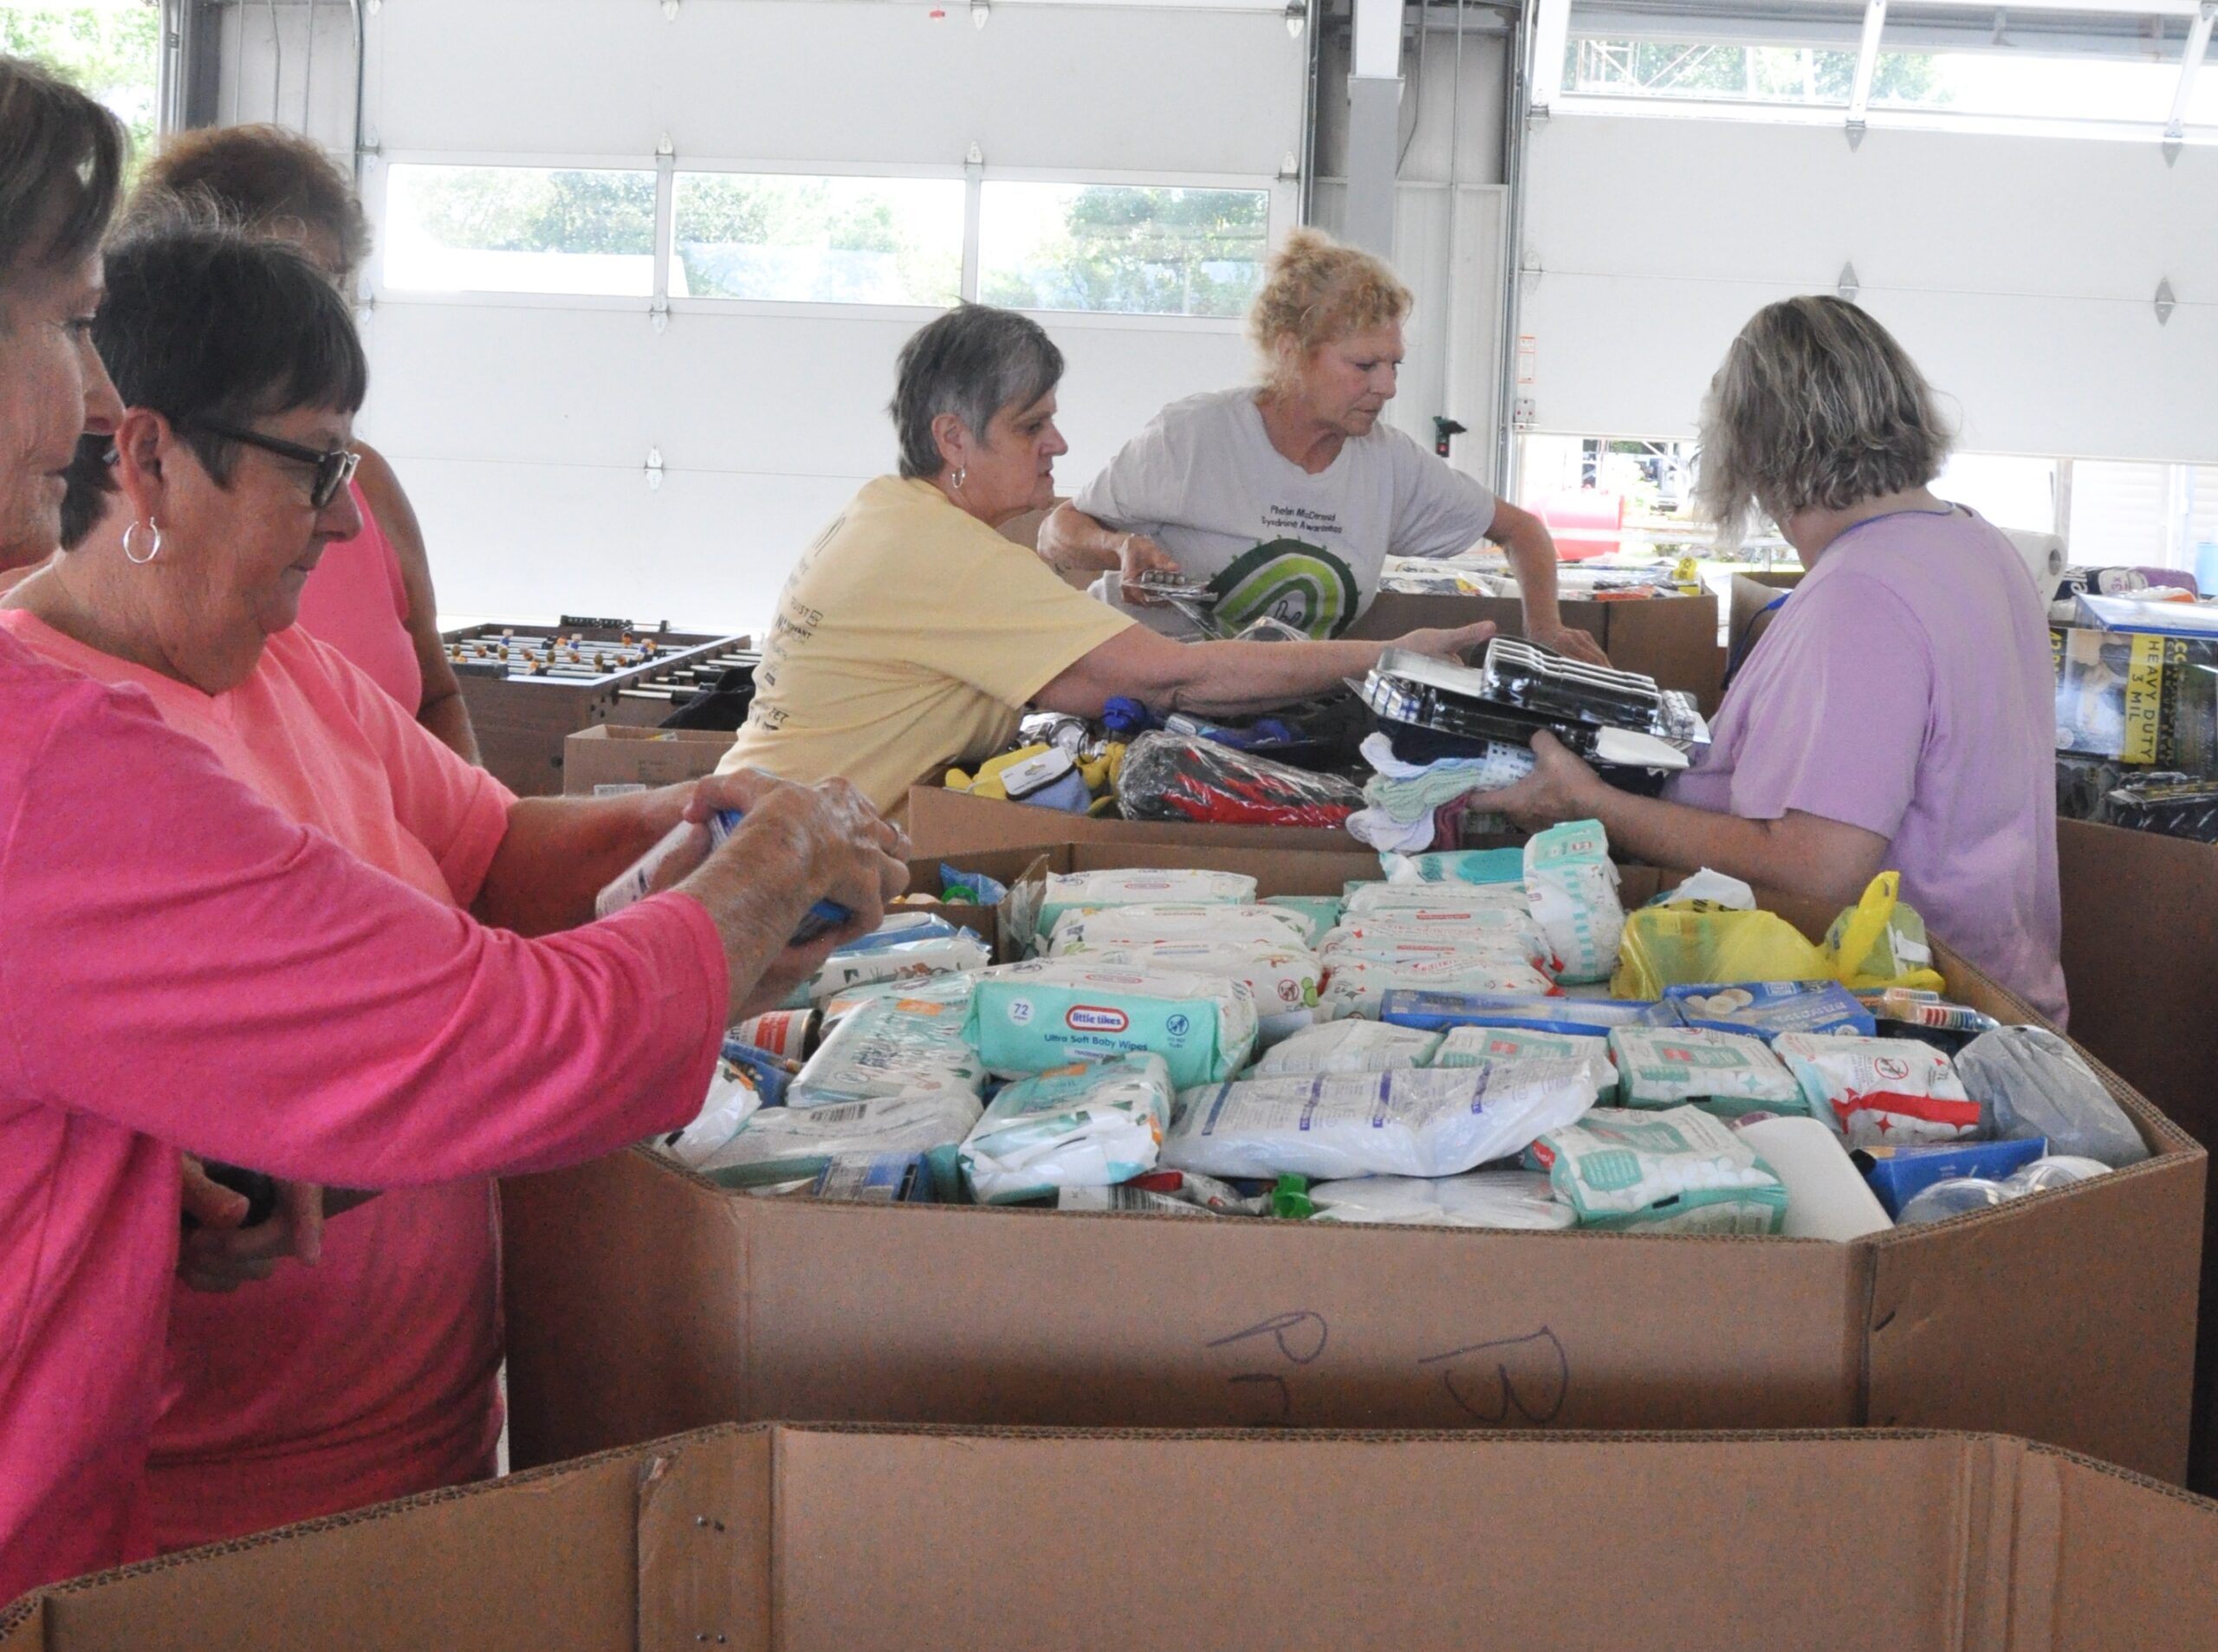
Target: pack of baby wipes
(1474, 1047)
(892, 1044)
(1360, 986)
(1482, 1199)
(1331, 1125)
(1028, 1017)
(1283, 979)
(1878, 1091)
(1572, 887)
(1498, 929)
(1681, 1171)
(1724, 1073)
(1349, 1047)
(956, 952)
(1140, 886)
(1098, 930)
(1319, 914)
(788, 1143)
(1379, 900)
(1086, 1125)
(1456, 866)
(734, 1097)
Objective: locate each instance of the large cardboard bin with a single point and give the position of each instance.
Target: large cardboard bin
(609, 753)
(801, 1538)
(643, 1300)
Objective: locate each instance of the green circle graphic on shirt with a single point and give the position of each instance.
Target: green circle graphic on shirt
(1306, 586)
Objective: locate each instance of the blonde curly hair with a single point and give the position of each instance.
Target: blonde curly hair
(1815, 406)
(1317, 290)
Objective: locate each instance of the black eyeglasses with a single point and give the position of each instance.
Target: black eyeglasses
(333, 470)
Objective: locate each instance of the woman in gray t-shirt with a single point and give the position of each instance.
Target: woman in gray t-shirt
(1289, 497)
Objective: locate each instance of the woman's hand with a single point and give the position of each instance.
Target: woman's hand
(1138, 555)
(1560, 788)
(1454, 645)
(219, 1255)
(1569, 639)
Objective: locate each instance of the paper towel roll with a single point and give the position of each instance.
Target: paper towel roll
(1825, 1197)
(2043, 555)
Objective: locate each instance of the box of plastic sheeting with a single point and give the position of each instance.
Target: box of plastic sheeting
(643, 1299)
(806, 1538)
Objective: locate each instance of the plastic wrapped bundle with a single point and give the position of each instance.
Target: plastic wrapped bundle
(1084, 1126)
(1383, 900)
(1333, 1125)
(1140, 886)
(1350, 1047)
(1026, 1018)
(1360, 986)
(1284, 980)
(2029, 1081)
(958, 952)
(1484, 1199)
(790, 1144)
(1179, 777)
(1078, 933)
(1681, 1171)
(1878, 1091)
(1724, 1073)
(1573, 888)
(890, 1045)
(1496, 932)
(1473, 1046)
(733, 1097)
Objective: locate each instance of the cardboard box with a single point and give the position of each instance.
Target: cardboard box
(810, 1539)
(642, 1301)
(953, 824)
(2141, 964)
(610, 755)
(1748, 610)
(1673, 639)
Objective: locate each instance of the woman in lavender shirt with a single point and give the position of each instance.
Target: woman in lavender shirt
(1899, 711)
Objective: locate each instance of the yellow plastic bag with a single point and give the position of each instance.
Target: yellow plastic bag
(1877, 942)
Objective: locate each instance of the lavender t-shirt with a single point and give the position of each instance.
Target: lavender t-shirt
(1906, 688)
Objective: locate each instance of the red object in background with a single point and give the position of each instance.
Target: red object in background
(1585, 523)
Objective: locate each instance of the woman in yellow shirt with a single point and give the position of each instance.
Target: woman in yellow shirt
(911, 635)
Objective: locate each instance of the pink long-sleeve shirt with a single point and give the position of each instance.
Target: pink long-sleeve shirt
(185, 968)
(371, 1376)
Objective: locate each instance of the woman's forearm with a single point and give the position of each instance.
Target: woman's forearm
(1531, 552)
(559, 852)
(1073, 542)
(1232, 679)
(1797, 854)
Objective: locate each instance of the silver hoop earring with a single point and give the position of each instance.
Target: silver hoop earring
(956, 480)
(153, 551)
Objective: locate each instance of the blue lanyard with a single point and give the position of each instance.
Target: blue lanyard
(1740, 655)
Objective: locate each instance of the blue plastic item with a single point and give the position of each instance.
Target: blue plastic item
(1125, 717)
(1774, 1006)
(1588, 1017)
(1897, 1175)
(770, 1073)
(825, 914)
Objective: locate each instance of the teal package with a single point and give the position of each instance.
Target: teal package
(1320, 912)
(1031, 1017)
(1457, 866)
(1092, 1125)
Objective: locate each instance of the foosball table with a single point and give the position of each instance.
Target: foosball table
(529, 687)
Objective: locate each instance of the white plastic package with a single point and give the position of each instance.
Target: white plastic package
(1879, 1091)
(1483, 1199)
(891, 1045)
(1333, 1125)
(1129, 1201)
(1572, 886)
(1472, 1046)
(1725, 1073)
(1364, 901)
(1357, 986)
(1079, 1126)
(1080, 932)
(779, 1140)
(1026, 1018)
(1350, 1047)
(1681, 1171)
(1133, 886)
(1497, 929)
(732, 1100)
(1284, 980)
(962, 953)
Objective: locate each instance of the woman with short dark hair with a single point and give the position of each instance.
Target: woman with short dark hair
(186, 968)
(371, 596)
(1899, 711)
(911, 635)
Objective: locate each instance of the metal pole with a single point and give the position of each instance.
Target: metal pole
(1455, 214)
(1521, 102)
(361, 79)
(1319, 12)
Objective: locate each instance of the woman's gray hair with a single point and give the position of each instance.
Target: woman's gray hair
(1816, 407)
(972, 362)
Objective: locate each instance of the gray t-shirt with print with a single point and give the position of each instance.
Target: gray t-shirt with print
(1203, 481)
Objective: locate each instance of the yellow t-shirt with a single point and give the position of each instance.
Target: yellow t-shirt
(910, 636)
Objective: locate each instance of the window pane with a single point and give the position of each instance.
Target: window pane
(819, 240)
(519, 230)
(2019, 83)
(1810, 75)
(1142, 252)
(109, 47)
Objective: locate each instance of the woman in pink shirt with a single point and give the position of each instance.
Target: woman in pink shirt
(1899, 711)
(187, 968)
(370, 597)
